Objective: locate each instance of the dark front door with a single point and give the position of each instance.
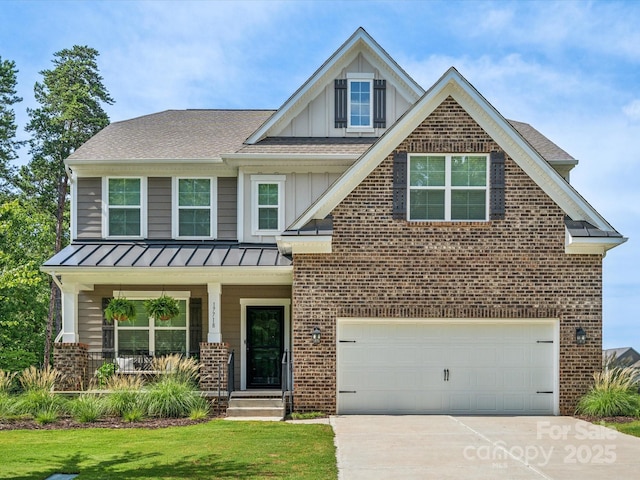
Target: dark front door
(265, 346)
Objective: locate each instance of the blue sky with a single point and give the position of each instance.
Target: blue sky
(571, 69)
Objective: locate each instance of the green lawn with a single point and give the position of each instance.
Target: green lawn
(631, 428)
(217, 449)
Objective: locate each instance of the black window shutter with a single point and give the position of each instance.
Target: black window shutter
(400, 185)
(341, 103)
(496, 194)
(195, 326)
(379, 103)
(108, 333)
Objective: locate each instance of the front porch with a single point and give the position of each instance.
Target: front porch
(241, 334)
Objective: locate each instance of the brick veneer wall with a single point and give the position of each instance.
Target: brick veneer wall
(380, 267)
(213, 365)
(71, 360)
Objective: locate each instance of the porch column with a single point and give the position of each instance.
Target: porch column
(214, 291)
(70, 313)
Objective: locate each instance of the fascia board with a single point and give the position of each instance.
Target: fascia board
(454, 85)
(281, 275)
(344, 55)
(153, 169)
(304, 244)
(591, 245)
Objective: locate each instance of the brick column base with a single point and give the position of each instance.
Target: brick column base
(71, 360)
(213, 366)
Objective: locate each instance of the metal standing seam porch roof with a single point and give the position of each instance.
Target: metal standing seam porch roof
(169, 254)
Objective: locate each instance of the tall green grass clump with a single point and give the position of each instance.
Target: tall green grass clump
(87, 408)
(174, 394)
(614, 393)
(38, 397)
(125, 395)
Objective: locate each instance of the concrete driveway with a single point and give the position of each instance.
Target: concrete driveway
(446, 447)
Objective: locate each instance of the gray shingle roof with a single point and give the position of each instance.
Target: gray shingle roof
(545, 147)
(206, 134)
(170, 254)
(174, 134)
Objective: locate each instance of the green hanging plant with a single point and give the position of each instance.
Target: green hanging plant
(163, 308)
(120, 309)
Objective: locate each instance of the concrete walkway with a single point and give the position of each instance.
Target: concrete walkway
(445, 447)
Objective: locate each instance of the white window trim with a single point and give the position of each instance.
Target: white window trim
(261, 302)
(360, 77)
(143, 208)
(448, 188)
(257, 180)
(146, 295)
(213, 208)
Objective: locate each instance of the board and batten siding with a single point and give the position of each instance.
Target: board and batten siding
(88, 207)
(300, 191)
(317, 118)
(159, 208)
(227, 208)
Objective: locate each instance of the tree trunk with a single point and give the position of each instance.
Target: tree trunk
(54, 306)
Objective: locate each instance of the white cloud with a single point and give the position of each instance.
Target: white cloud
(632, 110)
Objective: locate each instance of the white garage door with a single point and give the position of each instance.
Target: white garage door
(403, 367)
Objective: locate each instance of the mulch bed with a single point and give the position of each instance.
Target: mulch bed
(109, 422)
(598, 420)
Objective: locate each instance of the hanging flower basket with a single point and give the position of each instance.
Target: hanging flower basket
(120, 309)
(163, 308)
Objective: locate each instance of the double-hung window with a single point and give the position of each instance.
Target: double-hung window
(194, 215)
(267, 204)
(448, 187)
(124, 200)
(143, 335)
(360, 105)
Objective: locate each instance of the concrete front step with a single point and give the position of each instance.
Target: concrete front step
(273, 412)
(256, 404)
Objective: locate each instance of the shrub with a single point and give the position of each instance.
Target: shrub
(32, 402)
(181, 368)
(87, 408)
(6, 381)
(614, 393)
(105, 372)
(17, 360)
(200, 409)
(47, 415)
(33, 378)
(170, 397)
(134, 415)
(125, 394)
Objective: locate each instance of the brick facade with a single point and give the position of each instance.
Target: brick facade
(380, 267)
(213, 366)
(71, 360)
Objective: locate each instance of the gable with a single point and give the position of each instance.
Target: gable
(453, 85)
(310, 110)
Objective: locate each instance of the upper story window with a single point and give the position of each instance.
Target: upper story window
(125, 201)
(448, 187)
(267, 204)
(360, 105)
(194, 215)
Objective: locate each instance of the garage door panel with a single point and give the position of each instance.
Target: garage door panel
(401, 367)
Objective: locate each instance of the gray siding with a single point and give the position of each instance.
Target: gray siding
(159, 208)
(89, 207)
(227, 208)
